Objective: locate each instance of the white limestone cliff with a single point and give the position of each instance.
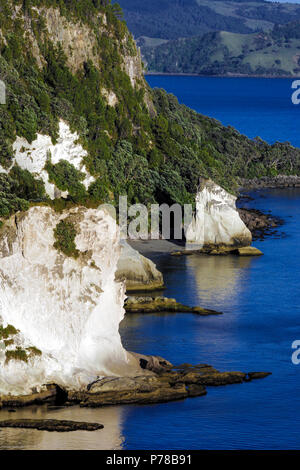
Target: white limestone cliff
(139, 273)
(67, 308)
(217, 221)
(33, 157)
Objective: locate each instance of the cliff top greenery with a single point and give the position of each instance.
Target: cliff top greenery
(146, 146)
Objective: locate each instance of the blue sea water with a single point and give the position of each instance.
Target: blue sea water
(255, 106)
(259, 299)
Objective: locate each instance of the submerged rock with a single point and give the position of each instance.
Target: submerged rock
(217, 221)
(50, 425)
(138, 272)
(162, 304)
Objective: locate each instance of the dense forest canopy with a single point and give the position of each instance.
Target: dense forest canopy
(145, 145)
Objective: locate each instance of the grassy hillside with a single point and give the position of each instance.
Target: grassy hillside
(176, 36)
(173, 19)
(273, 53)
(58, 62)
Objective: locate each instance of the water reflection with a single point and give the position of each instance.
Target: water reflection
(109, 438)
(220, 276)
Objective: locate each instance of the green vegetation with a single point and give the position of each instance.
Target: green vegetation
(187, 36)
(274, 53)
(37, 97)
(17, 354)
(65, 234)
(65, 176)
(25, 186)
(203, 146)
(173, 19)
(33, 351)
(9, 201)
(146, 145)
(5, 333)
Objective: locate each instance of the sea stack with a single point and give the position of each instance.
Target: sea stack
(217, 222)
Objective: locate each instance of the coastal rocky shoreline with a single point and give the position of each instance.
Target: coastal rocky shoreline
(259, 223)
(268, 182)
(158, 381)
(220, 250)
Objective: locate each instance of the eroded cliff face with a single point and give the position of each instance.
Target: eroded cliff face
(138, 272)
(33, 157)
(80, 45)
(217, 221)
(77, 40)
(69, 309)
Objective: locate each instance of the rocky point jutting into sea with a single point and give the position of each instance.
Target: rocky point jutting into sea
(61, 313)
(61, 316)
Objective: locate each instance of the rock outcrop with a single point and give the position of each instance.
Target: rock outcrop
(66, 308)
(57, 425)
(139, 273)
(217, 221)
(168, 384)
(163, 304)
(249, 251)
(156, 381)
(80, 44)
(259, 224)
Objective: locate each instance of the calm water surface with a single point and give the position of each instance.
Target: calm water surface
(260, 301)
(255, 106)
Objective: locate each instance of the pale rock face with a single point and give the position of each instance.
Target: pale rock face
(76, 39)
(33, 157)
(217, 220)
(110, 97)
(68, 308)
(133, 68)
(139, 272)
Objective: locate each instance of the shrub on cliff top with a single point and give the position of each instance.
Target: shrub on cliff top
(9, 201)
(65, 234)
(65, 176)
